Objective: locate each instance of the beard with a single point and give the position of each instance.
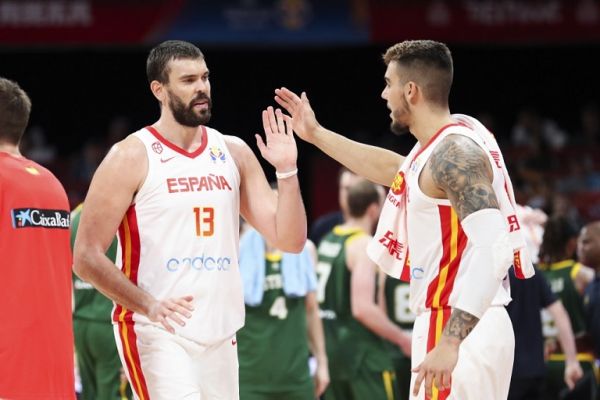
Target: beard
(185, 114)
(398, 127)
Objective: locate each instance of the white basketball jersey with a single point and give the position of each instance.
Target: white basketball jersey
(180, 237)
(437, 245)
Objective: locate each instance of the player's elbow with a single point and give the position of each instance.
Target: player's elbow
(294, 245)
(79, 267)
(360, 311)
(82, 262)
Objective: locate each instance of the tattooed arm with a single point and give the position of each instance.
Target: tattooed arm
(460, 170)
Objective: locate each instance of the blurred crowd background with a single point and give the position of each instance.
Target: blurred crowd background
(528, 69)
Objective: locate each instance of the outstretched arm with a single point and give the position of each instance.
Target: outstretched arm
(374, 163)
(460, 170)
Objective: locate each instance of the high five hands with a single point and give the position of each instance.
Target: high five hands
(279, 146)
(303, 119)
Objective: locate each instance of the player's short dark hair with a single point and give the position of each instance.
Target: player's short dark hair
(428, 63)
(361, 195)
(15, 107)
(558, 230)
(157, 64)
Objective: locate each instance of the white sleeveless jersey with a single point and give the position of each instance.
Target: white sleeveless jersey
(438, 247)
(180, 237)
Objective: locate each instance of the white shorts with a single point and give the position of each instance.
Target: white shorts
(160, 365)
(485, 357)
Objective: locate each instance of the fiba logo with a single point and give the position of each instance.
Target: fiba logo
(157, 147)
(216, 154)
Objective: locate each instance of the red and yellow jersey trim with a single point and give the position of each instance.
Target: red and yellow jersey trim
(453, 244)
(129, 239)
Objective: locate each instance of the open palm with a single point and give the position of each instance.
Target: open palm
(279, 146)
(304, 121)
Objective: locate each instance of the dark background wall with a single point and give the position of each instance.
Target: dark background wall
(75, 92)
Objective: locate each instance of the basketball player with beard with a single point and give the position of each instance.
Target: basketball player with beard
(448, 224)
(174, 192)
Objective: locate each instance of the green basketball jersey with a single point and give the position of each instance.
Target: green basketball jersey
(90, 304)
(560, 276)
(350, 345)
(396, 300)
(273, 344)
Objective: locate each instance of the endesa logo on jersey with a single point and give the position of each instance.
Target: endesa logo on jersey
(199, 263)
(39, 218)
(198, 184)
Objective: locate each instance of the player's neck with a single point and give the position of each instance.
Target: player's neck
(185, 137)
(428, 122)
(363, 223)
(10, 149)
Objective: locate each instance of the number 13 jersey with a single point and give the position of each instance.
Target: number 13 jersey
(180, 236)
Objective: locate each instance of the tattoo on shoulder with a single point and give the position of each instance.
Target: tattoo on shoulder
(460, 324)
(462, 169)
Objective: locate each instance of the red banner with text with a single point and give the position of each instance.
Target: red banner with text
(486, 21)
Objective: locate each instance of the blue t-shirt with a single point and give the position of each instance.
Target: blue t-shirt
(529, 297)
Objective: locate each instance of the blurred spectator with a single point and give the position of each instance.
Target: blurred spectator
(536, 132)
(539, 194)
(36, 148)
(88, 160)
(574, 179)
(562, 206)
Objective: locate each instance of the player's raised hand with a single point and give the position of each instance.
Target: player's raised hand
(304, 121)
(171, 309)
(279, 146)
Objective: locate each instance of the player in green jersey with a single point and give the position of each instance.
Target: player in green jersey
(97, 356)
(355, 326)
(567, 279)
(281, 328)
(394, 301)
